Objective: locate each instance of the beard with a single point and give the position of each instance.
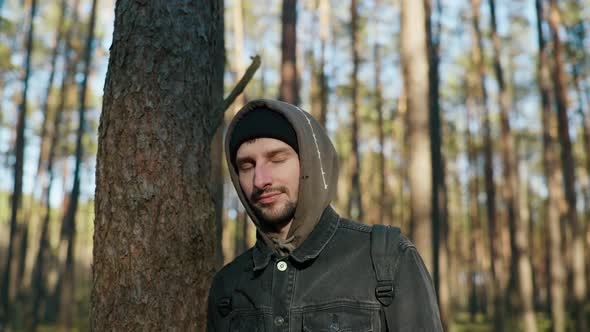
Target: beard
(277, 213)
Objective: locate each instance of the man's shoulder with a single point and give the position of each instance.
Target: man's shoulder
(354, 226)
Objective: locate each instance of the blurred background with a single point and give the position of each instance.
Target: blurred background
(465, 123)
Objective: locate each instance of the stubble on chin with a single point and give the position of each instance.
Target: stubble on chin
(273, 215)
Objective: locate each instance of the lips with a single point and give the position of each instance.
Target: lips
(269, 197)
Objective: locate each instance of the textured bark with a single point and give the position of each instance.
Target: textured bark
(154, 237)
(439, 191)
(414, 58)
(521, 263)
(355, 208)
(568, 172)
(6, 290)
(216, 187)
(494, 229)
(289, 88)
(554, 187)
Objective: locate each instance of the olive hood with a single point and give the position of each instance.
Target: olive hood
(318, 164)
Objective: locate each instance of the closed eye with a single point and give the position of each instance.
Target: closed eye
(246, 165)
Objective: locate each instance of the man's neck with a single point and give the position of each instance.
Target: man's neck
(282, 230)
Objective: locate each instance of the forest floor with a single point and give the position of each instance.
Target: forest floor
(462, 323)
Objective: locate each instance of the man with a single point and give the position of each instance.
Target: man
(310, 269)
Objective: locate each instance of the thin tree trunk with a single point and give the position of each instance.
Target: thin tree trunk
(414, 58)
(71, 60)
(217, 184)
(473, 206)
(6, 289)
(355, 208)
(323, 82)
(44, 150)
(494, 229)
(41, 174)
(154, 235)
(289, 88)
(39, 271)
(439, 191)
(68, 230)
(568, 172)
(382, 207)
(511, 192)
(554, 187)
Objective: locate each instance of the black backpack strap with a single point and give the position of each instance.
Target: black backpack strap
(384, 255)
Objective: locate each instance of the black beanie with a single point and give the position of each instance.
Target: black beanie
(261, 122)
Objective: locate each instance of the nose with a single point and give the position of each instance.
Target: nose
(262, 176)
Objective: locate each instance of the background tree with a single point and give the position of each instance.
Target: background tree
(414, 58)
(16, 200)
(521, 265)
(569, 172)
(289, 88)
(553, 178)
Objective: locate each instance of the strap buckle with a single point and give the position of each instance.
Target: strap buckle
(385, 292)
(224, 306)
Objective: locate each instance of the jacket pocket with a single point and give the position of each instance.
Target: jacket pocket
(250, 321)
(338, 320)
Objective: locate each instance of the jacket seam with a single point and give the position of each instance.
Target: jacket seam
(354, 226)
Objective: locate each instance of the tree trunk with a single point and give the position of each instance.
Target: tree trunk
(439, 191)
(355, 208)
(568, 173)
(323, 78)
(554, 187)
(382, 194)
(40, 174)
(511, 192)
(414, 58)
(494, 229)
(217, 183)
(39, 271)
(66, 281)
(71, 60)
(6, 290)
(44, 150)
(476, 245)
(154, 234)
(289, 88)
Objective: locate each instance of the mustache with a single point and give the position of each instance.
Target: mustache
(255, 196)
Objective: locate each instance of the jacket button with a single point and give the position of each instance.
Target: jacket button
(282, 266)
(279, 321)
(334, 327)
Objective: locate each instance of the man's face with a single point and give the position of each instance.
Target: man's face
(268, 170)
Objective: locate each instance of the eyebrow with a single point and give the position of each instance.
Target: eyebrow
(268, 154)
(275, 152)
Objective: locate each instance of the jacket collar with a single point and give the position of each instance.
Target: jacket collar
(309, 249)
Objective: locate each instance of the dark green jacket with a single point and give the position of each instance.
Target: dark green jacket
(322, 278)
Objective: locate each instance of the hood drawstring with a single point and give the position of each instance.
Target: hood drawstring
(284, 247)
